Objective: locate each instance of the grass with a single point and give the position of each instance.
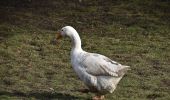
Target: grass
(132, 32)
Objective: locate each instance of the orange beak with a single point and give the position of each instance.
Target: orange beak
(59, 36)
(55, 40)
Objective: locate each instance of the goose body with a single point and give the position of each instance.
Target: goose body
(98, 72)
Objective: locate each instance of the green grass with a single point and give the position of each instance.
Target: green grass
(132, 32)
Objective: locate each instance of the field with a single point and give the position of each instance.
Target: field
(132, 32)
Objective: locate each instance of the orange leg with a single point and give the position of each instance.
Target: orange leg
(98, 97)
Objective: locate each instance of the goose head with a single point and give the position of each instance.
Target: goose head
(66, 31)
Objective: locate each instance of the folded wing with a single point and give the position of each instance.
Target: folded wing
(99, 65)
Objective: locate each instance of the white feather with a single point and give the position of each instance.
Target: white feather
(95, 70)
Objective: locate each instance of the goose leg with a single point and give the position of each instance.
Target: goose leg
(98, 97)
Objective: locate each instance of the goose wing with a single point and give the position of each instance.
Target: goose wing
(99, 65)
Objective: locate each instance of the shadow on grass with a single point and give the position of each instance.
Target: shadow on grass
(42, 95)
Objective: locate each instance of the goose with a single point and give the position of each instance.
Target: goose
(99, 73)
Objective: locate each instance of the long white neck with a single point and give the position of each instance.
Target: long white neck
(76, 41)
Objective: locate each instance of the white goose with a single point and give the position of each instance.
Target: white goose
(99, 73)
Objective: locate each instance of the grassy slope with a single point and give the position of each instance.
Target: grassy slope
(133, 32)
